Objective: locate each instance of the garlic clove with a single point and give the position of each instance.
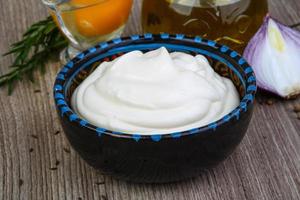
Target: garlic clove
(274, 53)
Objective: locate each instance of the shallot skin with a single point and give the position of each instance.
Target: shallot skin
(274, 53)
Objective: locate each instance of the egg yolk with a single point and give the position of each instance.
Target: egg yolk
(101, 17)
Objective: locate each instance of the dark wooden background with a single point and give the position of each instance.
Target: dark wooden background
(36, 161)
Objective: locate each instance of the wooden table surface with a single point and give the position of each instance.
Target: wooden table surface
(36, 161)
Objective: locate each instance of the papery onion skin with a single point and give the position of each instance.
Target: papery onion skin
(274, 53)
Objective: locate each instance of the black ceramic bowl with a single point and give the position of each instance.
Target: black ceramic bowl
(157, 158)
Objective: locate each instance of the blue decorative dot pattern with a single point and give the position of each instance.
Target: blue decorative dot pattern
(83, 122)
(70, 64)
(248, 70)
(156, 138)
(80, 56)
(242, 61)
(164, 35)
(100, 131)
(63, 110)
(59, 96)
(65, 70)
(58, 87)
(61, 76)
(103, 45)
(211, 43)
(251, 88)
(213, 126)
(249, 97)
(179, 36)
(224, 49)
(233, 54)
(244, 106)
(136, 137)
(92, 50)
(198, 39)
(135, 37)
(226, 118)
(148, 36)
(117, 40)
(236, 113)
(61, 102)
(73, 117)
(251, 79)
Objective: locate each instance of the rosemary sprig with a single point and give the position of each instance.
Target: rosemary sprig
(41, 42)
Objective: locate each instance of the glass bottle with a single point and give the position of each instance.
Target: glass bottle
(230, 22)
(88, 22)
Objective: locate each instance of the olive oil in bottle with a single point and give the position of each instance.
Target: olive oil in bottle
(230, 22)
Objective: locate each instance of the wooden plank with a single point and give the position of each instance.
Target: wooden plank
(285, 11)
(30, 151)
(265, 166)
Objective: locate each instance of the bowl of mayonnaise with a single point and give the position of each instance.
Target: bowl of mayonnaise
(155, 108)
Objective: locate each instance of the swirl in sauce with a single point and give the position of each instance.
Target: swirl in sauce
(154, 93)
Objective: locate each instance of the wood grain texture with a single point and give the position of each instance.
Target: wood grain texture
(36, 161)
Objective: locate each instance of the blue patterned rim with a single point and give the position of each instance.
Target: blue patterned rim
(126, 44)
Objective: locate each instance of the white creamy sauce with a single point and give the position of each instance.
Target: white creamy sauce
(154, 93)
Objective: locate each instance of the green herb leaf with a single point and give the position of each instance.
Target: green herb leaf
(41, 42)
